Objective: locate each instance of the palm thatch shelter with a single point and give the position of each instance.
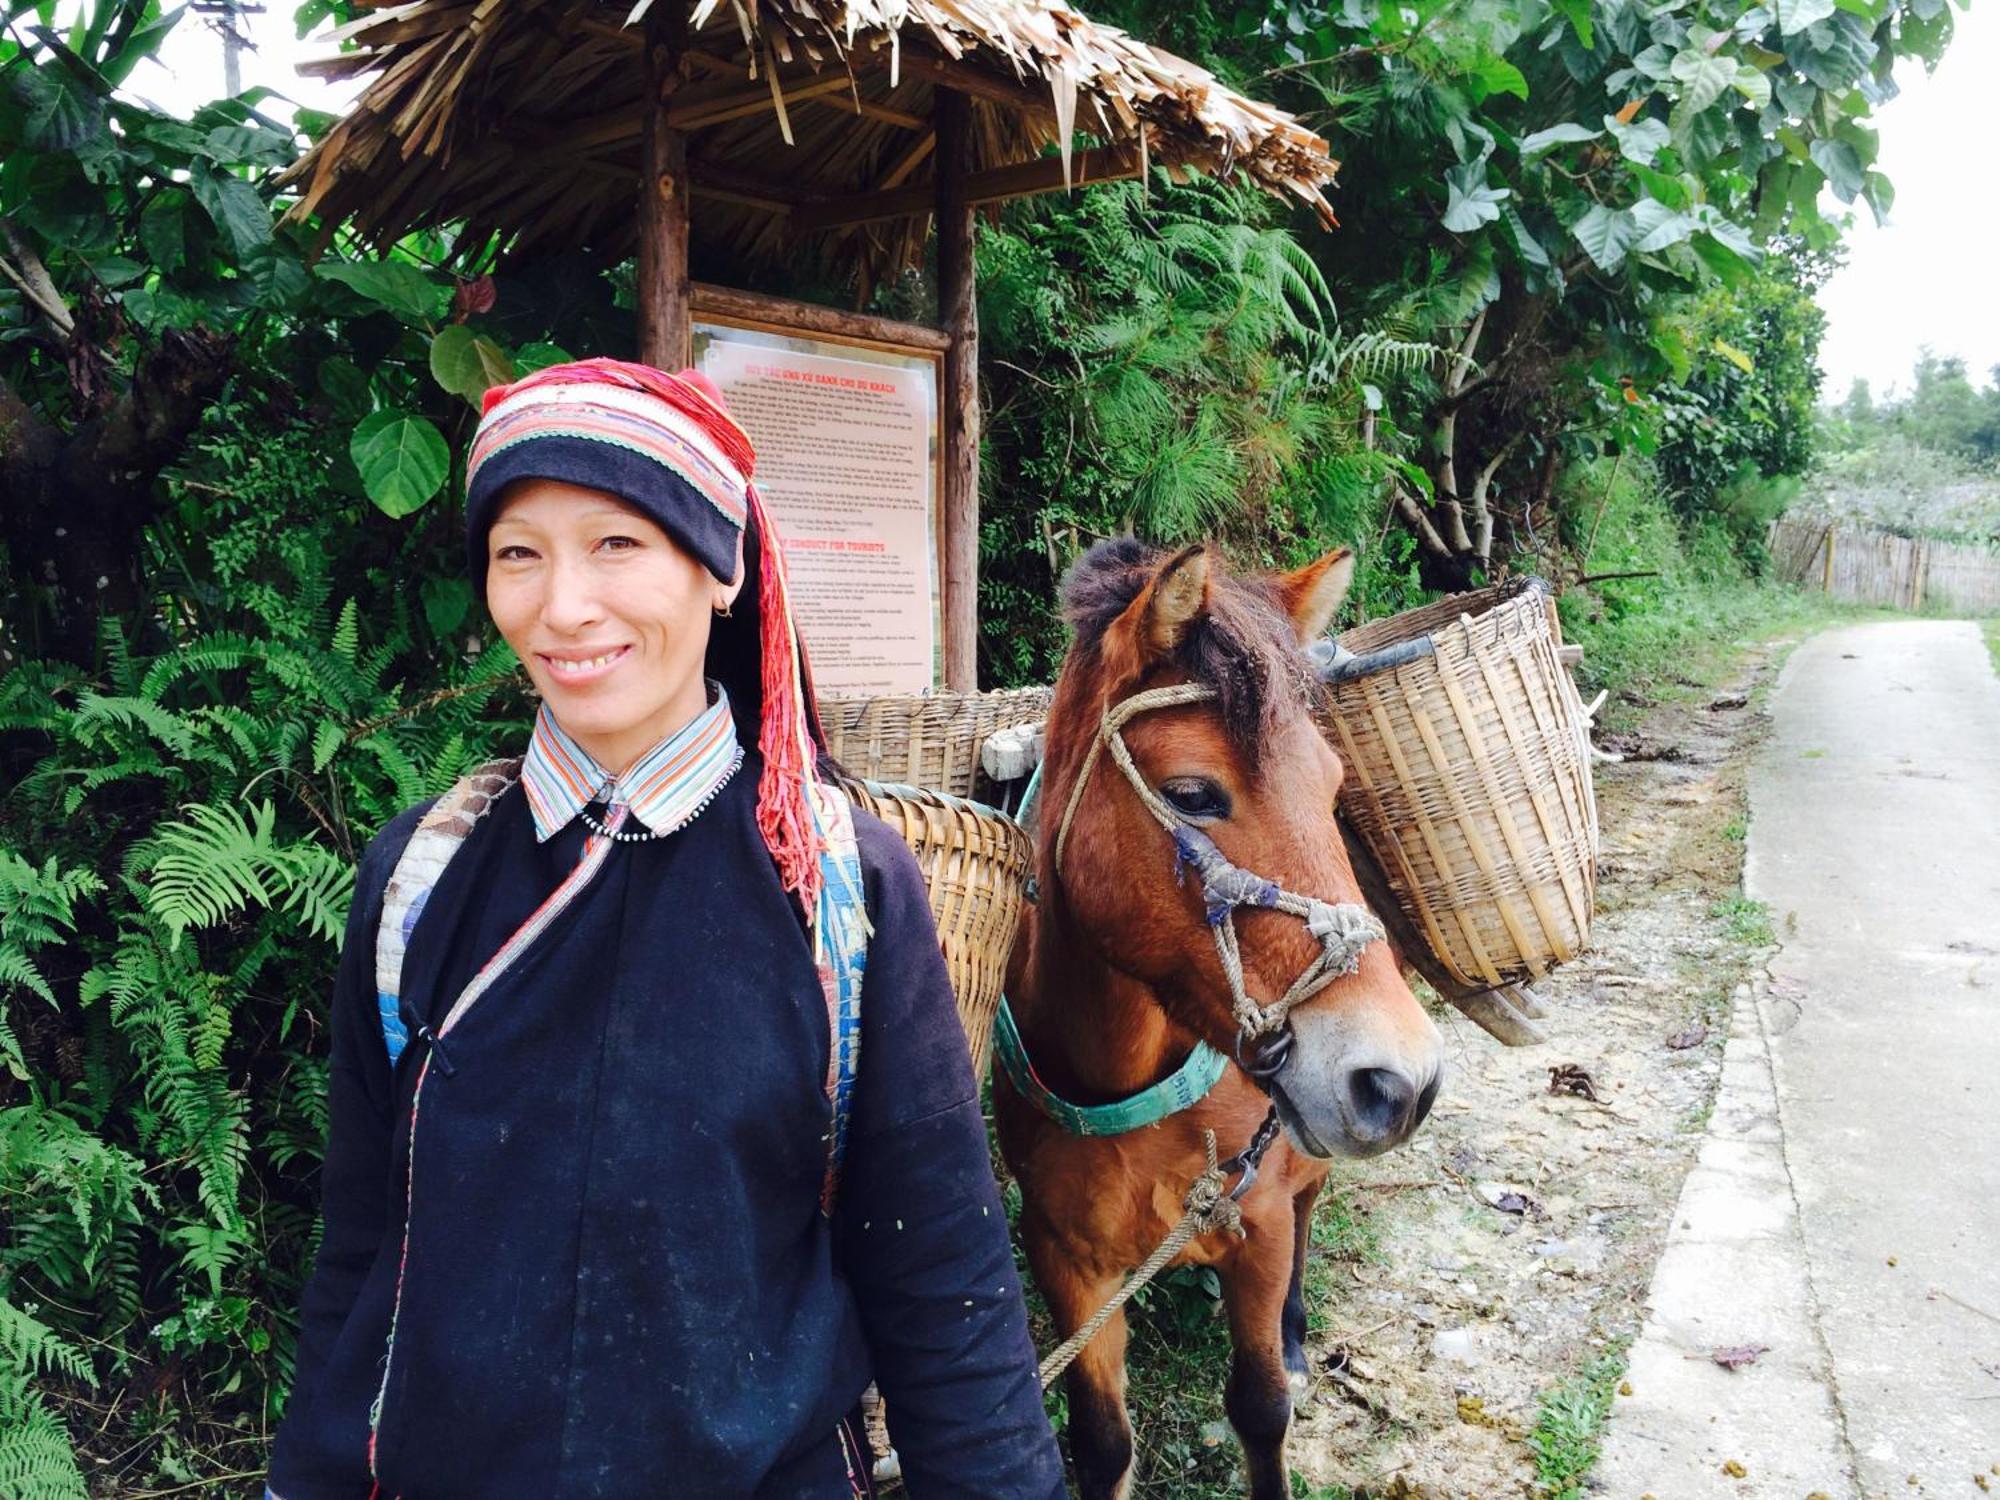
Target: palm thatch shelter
(838, 128)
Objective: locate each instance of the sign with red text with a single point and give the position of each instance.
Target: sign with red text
(846, 441)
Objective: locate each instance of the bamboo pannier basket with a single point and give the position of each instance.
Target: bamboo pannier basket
(1468, 778)
(975, 862)
(932, 740)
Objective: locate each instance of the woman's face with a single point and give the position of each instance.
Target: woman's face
(605, 610)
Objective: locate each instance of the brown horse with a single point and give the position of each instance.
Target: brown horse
(1118, 972)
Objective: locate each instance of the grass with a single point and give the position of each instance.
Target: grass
(1686, 639)
(1747, 920)
(1992, 629)
(1569, 1424)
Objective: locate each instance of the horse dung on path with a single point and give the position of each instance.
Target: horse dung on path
(1198, 960)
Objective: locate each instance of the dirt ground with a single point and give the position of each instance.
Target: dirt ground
(1506, 1253)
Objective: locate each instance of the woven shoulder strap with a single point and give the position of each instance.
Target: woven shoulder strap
(439, 836)
(840, 929)
(840, 952)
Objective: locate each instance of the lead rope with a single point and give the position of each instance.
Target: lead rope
(1205, 1209)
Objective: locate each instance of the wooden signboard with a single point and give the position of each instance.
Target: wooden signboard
(844, 414)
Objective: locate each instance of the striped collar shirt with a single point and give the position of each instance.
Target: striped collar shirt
(666, 787)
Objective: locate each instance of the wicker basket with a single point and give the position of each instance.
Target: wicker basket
(1468, 777)
(975, 863)
(928, 741)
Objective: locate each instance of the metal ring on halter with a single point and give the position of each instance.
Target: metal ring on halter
(1269, 1053)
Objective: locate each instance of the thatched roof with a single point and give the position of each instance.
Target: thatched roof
(808, 121)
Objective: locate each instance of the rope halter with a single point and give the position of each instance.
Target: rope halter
(1343, 929)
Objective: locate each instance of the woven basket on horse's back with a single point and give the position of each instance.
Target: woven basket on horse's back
(931, 740)
(1468, 777)
(976, 863)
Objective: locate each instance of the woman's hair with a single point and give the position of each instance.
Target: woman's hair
(735, 656)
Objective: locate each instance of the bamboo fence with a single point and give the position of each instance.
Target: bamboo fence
(1864, 565)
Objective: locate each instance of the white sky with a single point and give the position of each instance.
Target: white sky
(1923, 279)
(188, 72)
(1926, 277)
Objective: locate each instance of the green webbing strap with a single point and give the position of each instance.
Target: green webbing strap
(1187, 1084)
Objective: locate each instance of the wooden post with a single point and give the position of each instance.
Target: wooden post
(958, 313)
(664, 293)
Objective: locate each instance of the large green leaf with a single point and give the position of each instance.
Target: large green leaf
(532, 357)
(1495, 75)
(1640, 141)
(1606, 234)
(345, 385)
(1471, 202)
(1530, 248)
(1556, 135)
(1577, 13)
(238, 213)
(1795, 16)
(1844, 172)
(253, 144)
(1731, 236)
(1672, 191)
(1881, 195)
(1835, 54)
(60, 113)
(402, 458)
(468, 364)
(1658, 226)
(397, 285)
(1704, 77)
(163, 232)
(1752, 85)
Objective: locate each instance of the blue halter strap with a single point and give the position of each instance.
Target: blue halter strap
(1186, 1085)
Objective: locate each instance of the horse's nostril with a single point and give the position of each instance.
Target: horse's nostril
(1383, 1101)
(1424, 1102)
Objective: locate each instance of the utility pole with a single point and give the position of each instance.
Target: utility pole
(224, 15)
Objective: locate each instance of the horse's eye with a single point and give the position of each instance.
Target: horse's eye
(1195, 797)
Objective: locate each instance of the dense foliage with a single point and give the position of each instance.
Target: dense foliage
(1539, 188)
(1566, 323)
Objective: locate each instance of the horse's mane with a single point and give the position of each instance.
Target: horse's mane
(1243, 647)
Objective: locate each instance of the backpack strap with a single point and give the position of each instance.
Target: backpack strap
(840, 952)
(840, 928)
(439, 836)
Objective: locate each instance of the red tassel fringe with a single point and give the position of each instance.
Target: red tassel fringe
(784, 815)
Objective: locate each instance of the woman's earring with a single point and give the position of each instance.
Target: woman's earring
(722, 611)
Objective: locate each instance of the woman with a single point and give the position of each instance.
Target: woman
(615, 1261)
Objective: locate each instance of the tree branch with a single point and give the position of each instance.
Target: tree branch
(1459, 363)
(1420, 525)
(1482, 513)
(29, 274)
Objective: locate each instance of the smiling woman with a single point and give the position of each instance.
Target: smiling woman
(659, 1227)
(606, 611)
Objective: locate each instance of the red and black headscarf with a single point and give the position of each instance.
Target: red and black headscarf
(667, 445)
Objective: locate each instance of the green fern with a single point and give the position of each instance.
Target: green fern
(35, 1453)
(210, 867)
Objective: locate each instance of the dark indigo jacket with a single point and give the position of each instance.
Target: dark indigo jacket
(617, 1279)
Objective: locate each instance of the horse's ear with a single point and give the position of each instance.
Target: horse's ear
(1313, 593)
(1154, 623)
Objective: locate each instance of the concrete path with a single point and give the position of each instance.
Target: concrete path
(1845, 1209)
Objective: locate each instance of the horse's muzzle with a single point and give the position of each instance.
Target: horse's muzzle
(1341, 1093)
